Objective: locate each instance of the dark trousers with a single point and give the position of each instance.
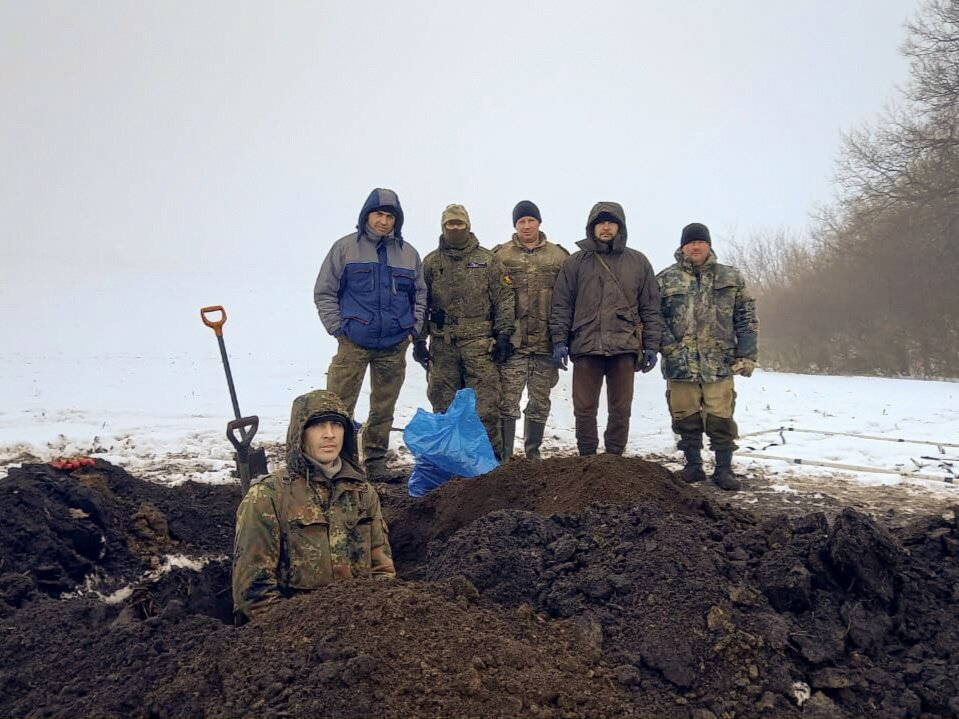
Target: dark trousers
(588, 374)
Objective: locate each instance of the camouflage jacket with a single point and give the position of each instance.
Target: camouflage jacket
(710, 320)
(296, 530)
(468, 293)
(532, 273)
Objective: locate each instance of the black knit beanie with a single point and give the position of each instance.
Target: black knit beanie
(695, 231)
(525, 209)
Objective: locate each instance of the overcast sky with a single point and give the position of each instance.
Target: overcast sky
(205, 136)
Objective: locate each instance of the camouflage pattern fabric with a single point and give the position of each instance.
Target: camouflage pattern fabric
(710, 320)
(532, 273)
(470, 290)
(538, 374)
(387, 372)
(466, 363)
(469, 300)
(296, 530)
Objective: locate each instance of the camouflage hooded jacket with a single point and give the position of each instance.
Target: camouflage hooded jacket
(710, 319)
(296, 530)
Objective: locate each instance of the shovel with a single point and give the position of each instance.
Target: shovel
(240, 431)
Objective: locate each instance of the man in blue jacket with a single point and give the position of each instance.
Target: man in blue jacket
(371, 295)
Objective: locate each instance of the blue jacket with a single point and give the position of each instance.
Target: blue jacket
(372, 288)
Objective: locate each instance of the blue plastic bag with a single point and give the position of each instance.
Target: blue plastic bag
(448, 444)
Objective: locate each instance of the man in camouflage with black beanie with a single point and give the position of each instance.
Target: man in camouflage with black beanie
(711, 333)
(532, 263)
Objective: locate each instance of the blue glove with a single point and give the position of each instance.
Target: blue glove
(648, 361)
(561, 356)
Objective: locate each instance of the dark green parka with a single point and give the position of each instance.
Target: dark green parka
(594, 315)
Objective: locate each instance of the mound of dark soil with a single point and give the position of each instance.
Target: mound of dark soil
(560, 485)
(576, 587)
(59, 528)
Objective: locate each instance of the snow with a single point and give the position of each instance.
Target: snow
(124, 370)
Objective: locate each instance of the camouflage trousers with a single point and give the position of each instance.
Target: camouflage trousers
(387, 372)
(698, 406)
(467, 364)
(538, 374)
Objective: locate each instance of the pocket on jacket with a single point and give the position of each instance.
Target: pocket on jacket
(361, 546)
(675, 304)
(360, 278)
(308, 548)
(676, 362)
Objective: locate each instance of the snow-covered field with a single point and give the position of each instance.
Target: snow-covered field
(139, 382)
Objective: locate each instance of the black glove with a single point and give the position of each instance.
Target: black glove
(421, 353)
(503, 349)
(647, 362)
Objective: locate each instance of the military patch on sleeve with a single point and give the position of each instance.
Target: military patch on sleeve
(508, 279)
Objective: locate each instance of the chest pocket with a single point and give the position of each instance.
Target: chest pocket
(351, 536)
(677, 311)
(541, 291)
(724, 304)
(360, 279)
(307, 556)
(403, 295)
(474, 292)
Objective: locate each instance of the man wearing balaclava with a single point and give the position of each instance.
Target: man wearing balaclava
(711, 333)
(314, 522)
(470, 312)
(371, 297)
(605, 316)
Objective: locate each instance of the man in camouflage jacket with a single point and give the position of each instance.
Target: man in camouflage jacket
(532, 263)
(315, 522)
(470, 312)
(711, 333)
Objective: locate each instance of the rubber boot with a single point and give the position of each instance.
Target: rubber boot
(693, 471)
(509, 437)
(534, 438)
(723, 474)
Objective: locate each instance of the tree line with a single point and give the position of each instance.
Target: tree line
(874, 288)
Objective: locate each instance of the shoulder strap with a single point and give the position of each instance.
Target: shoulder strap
(615, 279)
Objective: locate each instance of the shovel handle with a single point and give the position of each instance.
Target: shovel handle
(215, 325)
(240, 432)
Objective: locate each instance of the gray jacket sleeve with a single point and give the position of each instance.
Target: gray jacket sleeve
(650, 309)
(564, 299)
(419, 312)
(327, 288)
